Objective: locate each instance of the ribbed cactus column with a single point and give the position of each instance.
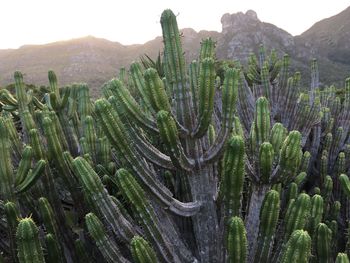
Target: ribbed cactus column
(179, 111)
(141, 251)
(298, 249)
(105, 244)
(237, 241)
(28, 244)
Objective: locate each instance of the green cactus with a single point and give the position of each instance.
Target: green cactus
(233, 176)
(104, 243)
(297, 214)
(237, 240)
(268, 223)
(262, 120)
(317, 206)
(53, 249)
(28, 244)
(141, 251)
(95, 192)
(342, 258)
(323, 243)
(168, 156)
(298, 248)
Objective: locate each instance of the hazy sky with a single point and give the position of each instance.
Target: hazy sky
(129, 21)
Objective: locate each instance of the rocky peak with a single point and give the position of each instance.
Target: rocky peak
(242, 33)
(239, 20)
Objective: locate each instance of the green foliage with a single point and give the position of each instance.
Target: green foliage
(210, 162)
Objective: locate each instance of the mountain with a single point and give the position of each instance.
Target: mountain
(95, 60)
(327, 40)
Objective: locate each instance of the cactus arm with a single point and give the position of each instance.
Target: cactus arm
(31, 178)
(345, 184)
(193, 77)
(48, 216)
(265, 81)
(229, 96)
(13, 135)
(127, 106)
(262, 120)
(342, 258)
(323, 237)
(20, 92)
(206, 96)
(317, 206)
(139, 82)
(105, 244)
(24, 165)
(141, 251)
(116, 133)
(216, 149)
(95, 191)
(278, 135)
(237, 241)
(141, 205)
(54, 86)
(211, 134)
(290, 157)
(55, 153)
(266, 157)
(53, 250)
(7, 98)
(231, 186)
(268, 222)
(298, 248)
(151, 153)
(175, 69)
(168, 133)
(6, 172)
(12, 217)
(28, 244)
(156, 91)
(252, 220)
(299, 214)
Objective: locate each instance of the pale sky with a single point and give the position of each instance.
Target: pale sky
(135, 22)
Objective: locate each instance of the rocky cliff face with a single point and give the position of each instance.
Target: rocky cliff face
(243, 33)
(328, 41)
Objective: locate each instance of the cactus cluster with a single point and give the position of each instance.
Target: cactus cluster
(173, 164)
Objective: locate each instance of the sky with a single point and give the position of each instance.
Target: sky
(135, 22)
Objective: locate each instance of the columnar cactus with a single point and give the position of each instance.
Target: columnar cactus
(237, 240)
(141, 251)
(28, 244)
(166, 157)
(105, 244)
(298, 248)
(182, 129)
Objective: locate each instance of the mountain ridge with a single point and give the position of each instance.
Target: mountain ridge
(96, 60)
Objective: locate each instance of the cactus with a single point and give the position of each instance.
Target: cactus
(298, 248)
(141, 251)
(233, 176)
(323, 239)
(342, 258)
(237, 240)
(268, 222)
(28, 244)
(166, 168)
(105, 244)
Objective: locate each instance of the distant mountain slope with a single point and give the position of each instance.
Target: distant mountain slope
(94, 60)
(330, 37)
(89, 59)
